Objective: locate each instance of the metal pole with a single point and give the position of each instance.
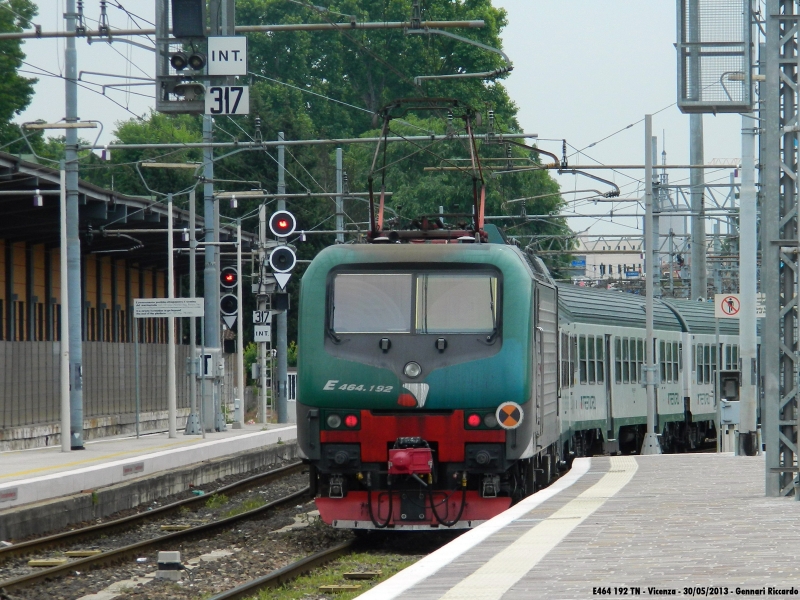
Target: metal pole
(203, 376)
(73, 240)
(657, 291)
(771, 222)
(138, 374)
(717, 402)
(238, 417)
(262, 305)
(699, 274)
(650, 444)
(192, 423)
(210, 270)
(282, 342)
(339, 199)
(671, 263)
(171, 387)
(64, 344)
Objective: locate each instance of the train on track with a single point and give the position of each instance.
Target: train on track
(443, 374)
(440, 382)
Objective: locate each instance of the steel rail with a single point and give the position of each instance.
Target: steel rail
(287, 573)
(126, 522)
(116, 555)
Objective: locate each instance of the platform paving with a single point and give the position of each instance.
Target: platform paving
(28, 476)
(684, 525)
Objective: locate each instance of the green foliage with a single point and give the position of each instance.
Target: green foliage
(16, 90)
(247, 505)
(291, 354)
(250, 357)
(216, 501)
(308, 585)
(329, 84)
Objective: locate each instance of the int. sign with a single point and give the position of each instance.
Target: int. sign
(227, 55)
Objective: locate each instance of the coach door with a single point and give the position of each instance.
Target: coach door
(609, 378)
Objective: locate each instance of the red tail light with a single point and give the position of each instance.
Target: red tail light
(351, 421)
(474, 420)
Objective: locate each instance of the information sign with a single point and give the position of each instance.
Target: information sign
(262, 333)
(145, 308)
(228, 100)
(227, 55)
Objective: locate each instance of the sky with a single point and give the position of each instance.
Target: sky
(584, 71)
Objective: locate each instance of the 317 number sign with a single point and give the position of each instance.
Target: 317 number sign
(228, 100)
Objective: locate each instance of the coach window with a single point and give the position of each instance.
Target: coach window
(565, 381)
(675, 354)
(617, 360)
(372, 303)
(713, 363)
(591, 362)
(626, 365)
(662, 360)
(600, 354)
(582, 357)
(573, 357)
(635, 359)
(698, 362)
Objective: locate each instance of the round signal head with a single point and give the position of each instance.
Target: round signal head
(229, 304)
(282, 259)
(229, 277)
(282, 223)
(197, 61)
(179, 61)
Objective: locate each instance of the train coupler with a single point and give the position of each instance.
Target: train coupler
(490, 486)
(336, 487)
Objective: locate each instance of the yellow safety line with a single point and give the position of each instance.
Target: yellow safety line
(507, 567)
(93, 459)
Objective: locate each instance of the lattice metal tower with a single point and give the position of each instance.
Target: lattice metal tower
(779, 271)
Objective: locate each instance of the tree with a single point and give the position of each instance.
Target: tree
(16, 91)
(329, 84)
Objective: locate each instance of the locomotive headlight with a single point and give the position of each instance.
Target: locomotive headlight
(334, 421)
(412, 369)
(490, 420)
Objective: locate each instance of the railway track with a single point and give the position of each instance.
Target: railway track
(116, 555)
(287, 573)
(69, 537)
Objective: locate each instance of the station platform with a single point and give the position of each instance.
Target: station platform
(616, 527)
(36, 476)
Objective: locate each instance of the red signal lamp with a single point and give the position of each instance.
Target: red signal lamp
(351, 421)
(474, 420)
(228, 277)
(282, 223)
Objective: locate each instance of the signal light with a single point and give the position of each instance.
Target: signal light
(473, 420)
(179, 60)
(229, 305)
(282, 223)
(282, 259)
(334, 421)
(229, 277)
(351, 421)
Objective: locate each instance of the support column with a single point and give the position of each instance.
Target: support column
(339, 198)
(699, 270)
(748, 442)
(282, 318)
(651, 444)
(73, 241)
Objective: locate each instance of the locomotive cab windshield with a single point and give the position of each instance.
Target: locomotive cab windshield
(415, 303)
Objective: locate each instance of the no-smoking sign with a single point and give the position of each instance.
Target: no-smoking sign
(727, 306)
